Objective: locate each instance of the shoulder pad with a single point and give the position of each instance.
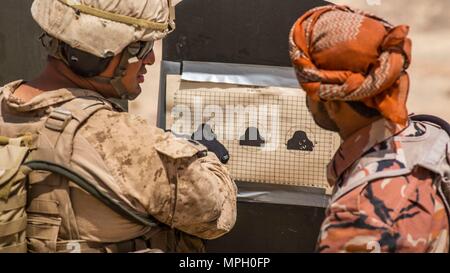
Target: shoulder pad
(177, 148)
(428, 151)
(11, 158)
(448, 153)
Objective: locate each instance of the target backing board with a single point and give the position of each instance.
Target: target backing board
(268, 131)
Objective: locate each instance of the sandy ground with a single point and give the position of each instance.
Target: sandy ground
(429, 72)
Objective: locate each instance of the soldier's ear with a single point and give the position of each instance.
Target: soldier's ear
(307, 99)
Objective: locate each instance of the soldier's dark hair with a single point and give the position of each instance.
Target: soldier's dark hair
(363, 109)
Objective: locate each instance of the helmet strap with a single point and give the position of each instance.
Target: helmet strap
(116, 80)
(53, 47)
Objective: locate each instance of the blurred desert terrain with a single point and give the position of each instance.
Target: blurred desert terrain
(430, 70)
(430, 33)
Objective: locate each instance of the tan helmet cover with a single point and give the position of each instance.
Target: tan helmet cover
(104, 27)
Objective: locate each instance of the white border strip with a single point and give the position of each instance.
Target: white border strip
(242, 74)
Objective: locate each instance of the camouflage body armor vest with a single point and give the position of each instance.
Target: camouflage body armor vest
(45, 194)
(430, 150)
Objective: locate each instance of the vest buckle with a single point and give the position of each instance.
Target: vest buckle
(58, 119)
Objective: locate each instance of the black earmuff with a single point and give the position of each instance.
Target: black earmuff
(83, 63)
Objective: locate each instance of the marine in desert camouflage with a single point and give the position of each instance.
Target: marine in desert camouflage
(98, 50)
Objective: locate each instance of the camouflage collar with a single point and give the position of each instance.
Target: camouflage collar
(358, 144)
(43, 100)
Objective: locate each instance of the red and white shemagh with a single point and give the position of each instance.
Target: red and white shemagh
(348, 55)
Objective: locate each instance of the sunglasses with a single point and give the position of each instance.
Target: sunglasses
(140, 49)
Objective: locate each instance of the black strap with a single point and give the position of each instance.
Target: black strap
(433, 119)
(85, 185)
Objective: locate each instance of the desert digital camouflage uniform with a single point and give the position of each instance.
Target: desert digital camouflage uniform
(390, 214)
(147, 170)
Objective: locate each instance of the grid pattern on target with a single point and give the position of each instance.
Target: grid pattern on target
(256, 164)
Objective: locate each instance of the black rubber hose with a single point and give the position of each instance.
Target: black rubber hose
(85, 185)
(433, 119)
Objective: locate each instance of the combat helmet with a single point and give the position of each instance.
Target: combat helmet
(87, 34)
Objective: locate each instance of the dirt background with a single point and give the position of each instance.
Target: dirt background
(429, 72)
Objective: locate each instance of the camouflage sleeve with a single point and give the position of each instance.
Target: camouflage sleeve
(204, 202)
(155, 173)
(401, 214)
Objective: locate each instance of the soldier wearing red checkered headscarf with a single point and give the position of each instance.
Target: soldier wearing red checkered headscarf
(389, 174)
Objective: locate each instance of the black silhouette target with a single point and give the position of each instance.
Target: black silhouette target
(301, 139)
(297, 153)
(252, 137)
(300, 142)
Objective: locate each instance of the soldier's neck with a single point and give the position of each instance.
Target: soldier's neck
(53, 77)
(353, 125)
(56, 75)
